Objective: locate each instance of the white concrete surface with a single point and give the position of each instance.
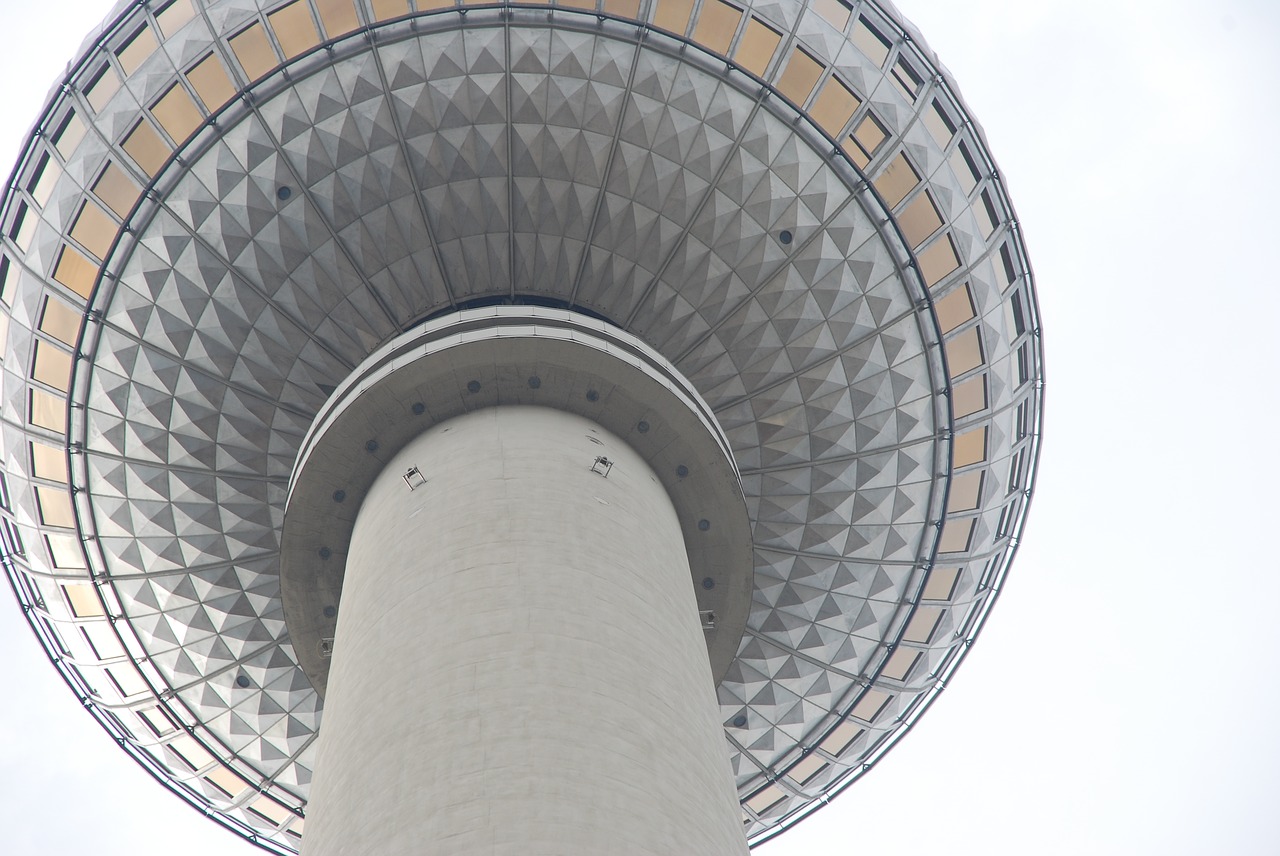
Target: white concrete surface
(519, 665)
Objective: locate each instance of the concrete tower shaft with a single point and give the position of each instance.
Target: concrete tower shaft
(519, 663)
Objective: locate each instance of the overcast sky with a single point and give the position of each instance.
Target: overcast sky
(1123, 698)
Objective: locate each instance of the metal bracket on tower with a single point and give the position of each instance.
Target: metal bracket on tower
(602, 466)
(414, 478)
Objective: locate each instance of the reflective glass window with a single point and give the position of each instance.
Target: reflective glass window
(48, 462)
(969, 396)
(966, 490)
(799, 76)
(969, 447)
(51, 365)
(919, 219)
(76, 271)
(55, 506)
(83, 599)
(836, 12)
(253, 50)
(673, 15)
(294, 27)
(898, 179)
(834, 106)
(116, 190)
(48, 411)
(172, 16)
(337, 16)
(146, 148)
(964, 352)
(941, 584)
(925, 619)
(954, 309)
(937, 260)
(756, 47)
(211, 82)
(177, 113)
(101, 88)
(871, 41)
(870, 705)
(142, 45)
(94, 230)
(717, 22)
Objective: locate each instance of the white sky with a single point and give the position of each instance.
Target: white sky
(1121, 699)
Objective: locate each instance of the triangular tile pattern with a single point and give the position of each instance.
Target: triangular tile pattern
(241, 305)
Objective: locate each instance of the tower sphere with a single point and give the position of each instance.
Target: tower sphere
(782, 212)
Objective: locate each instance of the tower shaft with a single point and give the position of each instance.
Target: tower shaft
(519, 663)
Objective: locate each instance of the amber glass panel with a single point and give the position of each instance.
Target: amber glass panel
(48, 462)
(836, 12)
(116, 189)
(75, 271)
(942, 582)
(578, 4)
(294, 28)
(717, 23)
(227, 781)
(870, 134)
(69, 136)
(970, 396)
(94, 230)
(271, 810)
(673, 15)
(99, 92)
(925, 619)
(906, 79)
(756, 47)
(64, 550)
(623, 8)
(383, 9)
(964, 352)
(954, 309)
(855, 152)
(834, 106)
(969, 447)
(51, 366)
(870, 705)
(337, 16)
(899, 665)
(966, 489)
(141, 46)
(177, 113)
(172, 17)
(83, 598)
(211, 83)
(956, 535)
(253, 49)
(840, 738)
(41, 185)
(870, 41)
(939, 124)
(800, 75)
(146, 148)
(766, 799)
(55, 506)
(937, 260)
(919, 220)
(24, 226)
(898, 179)
(964, 168)
(808, 766)
(48, 411)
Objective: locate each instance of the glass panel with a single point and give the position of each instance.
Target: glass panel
(271, 810)
(938, 260)
(870, 705)
(190, 752)
(99, 92)
(48, 462)
(970, 396)
(253, 50)
(964, 167)
(942, 582)
(869, 40)
(919, 220)
(939, 124)
(840, 738)
(969, 447)
(964, 352)
(24, 227)
(906, 79)
(155, 719)
(954, 309)
(337, 16)
(83, 598)
(211, 82)
(383, 9)
(869, 134)
(48, 411)
(64, 551)
(836, 12)
(177, 113)
(171, 18)
(69, 136)
(855, 152)
(102, 639)
(227, 781)
(898, 179)
(955, 536)
(294, 28)
(717, 23)
(623, 8)
(75, 271)
(966, 490)
(94, 230)
(578, 4)
(127, 681)
(55, 506)
(800, 75)
(42, 182)
(925, 619)
(673, 15)
(133, 54)
(900, 664)
(146, 148)
(987, 216)
(834, 106)
(806, 768)
(766, 799)
(51, 366)
(117, 190)
(756, 47)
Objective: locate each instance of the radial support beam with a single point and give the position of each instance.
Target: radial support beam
(519, 663)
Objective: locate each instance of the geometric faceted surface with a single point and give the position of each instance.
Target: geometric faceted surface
(229, 205)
